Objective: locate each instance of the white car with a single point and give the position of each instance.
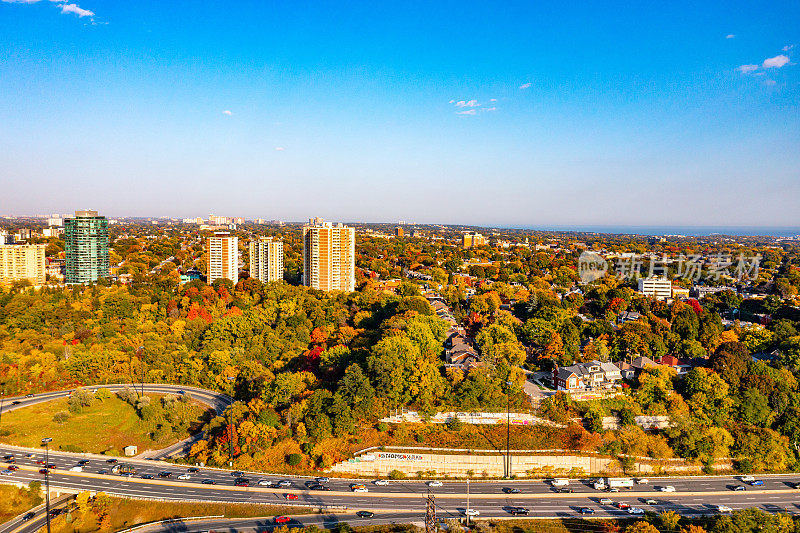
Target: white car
(643, 481)
(472, 512)
(361, 489)
(381, 482)
(667, 488)
(265, 482)
(284, 483)
(724, 509)
(635, 510)
(184, 476)
(76, 469)
(747, 479)
(434, 483)
(606, 501)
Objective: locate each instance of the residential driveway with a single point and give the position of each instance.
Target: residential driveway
(533, 387)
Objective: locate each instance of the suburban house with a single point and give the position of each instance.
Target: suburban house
(586, 376)
(634, 368)
(681, 366)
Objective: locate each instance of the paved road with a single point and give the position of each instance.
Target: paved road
(693, 494)
(217, 402)
(20, 525)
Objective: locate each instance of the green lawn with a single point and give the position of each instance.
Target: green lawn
(106, 426)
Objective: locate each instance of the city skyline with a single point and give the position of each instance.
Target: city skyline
(454, 114)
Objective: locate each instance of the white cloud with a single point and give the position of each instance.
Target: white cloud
(490, 109)
(730, 36)
(227, 112)
(467, 112)
(787, 47)
(492, 99)
(74, 8)
(279, 148)
(747, 69)
(775, 62)
(468, 103)
(525, 86)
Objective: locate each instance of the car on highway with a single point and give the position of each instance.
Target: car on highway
(282, 519)
(623, 506)
(361, 489)
(516, 511)
(381, 482)
(586, 510)
(147, 476)
(643, 481)
(39, 461)
(6, 472)
(323, 480)
(265, 482)
(242, 482)
(511, 490)
(434, 483)
(635, 510)
(471, 512)
(29, 455)
(112, 461)
(746, 479)
(184, 476)
(606, 501)
(16, 402)
(756, 483)
(291, 496)
(103, 472)
(165, 474)
(237, 473)
(612, 489)
(13, 467)
(51, 466)
(650, 501)
(83, 462)
(667, 488)
(27, 516)
(737, 488)
(565, 490)
(318, 486)
(284, 483)
(44, 471)
(193, 470)
(365, 514)
(724, 509)
(208, 482)
(78, 468)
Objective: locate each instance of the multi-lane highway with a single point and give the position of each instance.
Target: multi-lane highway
(693, 495)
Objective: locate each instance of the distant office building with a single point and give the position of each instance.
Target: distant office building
(86, 247)
(55, 220)
(472, 239)
(657, 287)
(223, 257)
(398, 231)
(22, 234)
(329, 256)
(20, 262)
(52, 232)
(266, 259)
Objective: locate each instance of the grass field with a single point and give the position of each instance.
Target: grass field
(124, 513)
(15, 500)
(104, 427)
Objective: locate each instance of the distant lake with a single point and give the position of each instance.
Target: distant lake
(689, 231)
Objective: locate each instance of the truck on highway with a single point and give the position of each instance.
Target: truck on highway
(123, 469)
(560, 482)
(613, 483)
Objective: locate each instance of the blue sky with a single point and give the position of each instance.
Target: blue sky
(517, 113)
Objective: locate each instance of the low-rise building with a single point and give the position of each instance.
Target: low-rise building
(586, 376)
(657, 287)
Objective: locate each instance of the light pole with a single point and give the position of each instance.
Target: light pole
(508, 429)
(467, 511)
(46, 441)
(2, 397)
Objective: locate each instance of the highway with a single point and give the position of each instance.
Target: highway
(693, 495)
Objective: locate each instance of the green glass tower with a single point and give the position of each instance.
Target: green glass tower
(86, 247)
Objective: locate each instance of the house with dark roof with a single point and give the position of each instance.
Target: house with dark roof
(586, 376)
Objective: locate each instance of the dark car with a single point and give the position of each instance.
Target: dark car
(44, 471)
(193, 470)
(51, 466)
(237, 474)
(147, 476)
(242, 482)
(13, 467)
(103, 472)
(586, 510)
(566, 491)
(510, 490)
(112, 461)
(39, 461)
(56, 512)
(16, 402)
(165, 474)
(519, 510)
(27, 516)
(83, 462)
(365, 514)
(208, 482)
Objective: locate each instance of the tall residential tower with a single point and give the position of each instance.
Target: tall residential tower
(329, 256)
(266, 259)
(223, 257)
(86, 247)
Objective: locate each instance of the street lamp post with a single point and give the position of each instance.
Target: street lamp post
(46, 441)
(508, 429)
(467, 511)
(2, 397)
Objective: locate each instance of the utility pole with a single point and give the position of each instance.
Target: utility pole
(430, 513)
(508, 429)
(46, 441)
(466, 511)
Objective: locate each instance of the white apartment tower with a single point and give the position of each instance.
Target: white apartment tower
(266, 259)
(329, 253)
(659, 288)
(223, 257)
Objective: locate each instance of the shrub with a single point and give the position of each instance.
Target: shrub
(454, 424)
(61, 417)
(396, 474)
(382, 426)
(102, 394)
(294, 459)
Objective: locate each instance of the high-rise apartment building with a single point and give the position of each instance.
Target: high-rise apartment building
(86, 247)
(472, 239)
(329, 253)
(19, 262)
(223, 257)
(266, 259)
